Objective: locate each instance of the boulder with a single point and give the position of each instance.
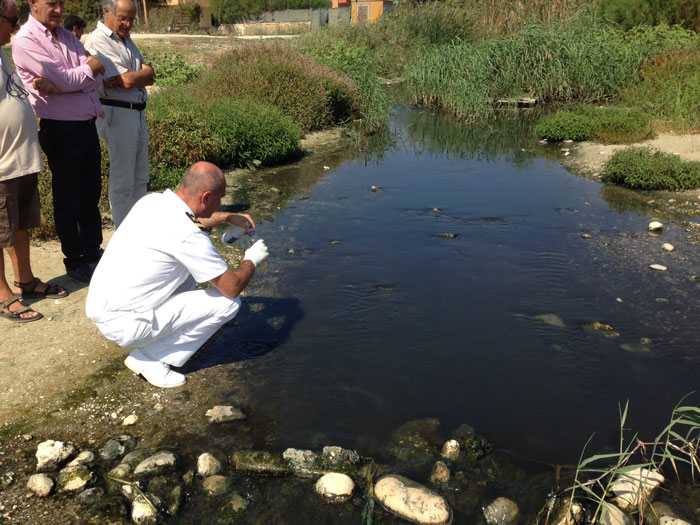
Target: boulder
(40, 485)
(335, 487)
(412, 501)
(52, 454)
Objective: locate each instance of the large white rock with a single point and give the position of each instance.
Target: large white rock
(612, 515)
(335, 487)
(501, 511)
(655, 226)
(635, 487)
(208, 465)
(411, 500)
(50, 454)
(40, 484)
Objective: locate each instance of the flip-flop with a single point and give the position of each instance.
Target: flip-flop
(29, 290)
(15, 316)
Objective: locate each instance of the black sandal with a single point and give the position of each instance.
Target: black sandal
(29, 290)
(15, 316)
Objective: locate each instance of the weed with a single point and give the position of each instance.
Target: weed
(609, 125)
(172, 69)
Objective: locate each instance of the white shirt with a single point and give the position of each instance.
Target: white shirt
(118, 56)
(19, 141)
(151, 254)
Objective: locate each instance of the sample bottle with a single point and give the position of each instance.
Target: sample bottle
(236, 232)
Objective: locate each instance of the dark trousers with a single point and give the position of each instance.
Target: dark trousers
(73, 151)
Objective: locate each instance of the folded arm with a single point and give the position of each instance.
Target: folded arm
(141, 78)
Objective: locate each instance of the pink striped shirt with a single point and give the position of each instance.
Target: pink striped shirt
(37, 54)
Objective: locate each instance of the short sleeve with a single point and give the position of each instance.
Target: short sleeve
(198, 255)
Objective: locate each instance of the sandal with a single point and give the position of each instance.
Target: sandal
(15, 316)
(29, 290)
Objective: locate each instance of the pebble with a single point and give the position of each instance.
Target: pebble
(130, 420)
(450, 450)
(668, 247)
(208, 465)
(655, 226)
(658, 267)
(501, 511)
(374, 189)
(223, 414)
(40, 484)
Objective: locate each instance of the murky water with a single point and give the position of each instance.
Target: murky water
(459, 289)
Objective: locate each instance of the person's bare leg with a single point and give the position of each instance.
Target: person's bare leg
(6, 292)
(21, 263)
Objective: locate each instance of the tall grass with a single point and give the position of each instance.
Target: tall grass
(311, 93)
(608, 125)
(669, 90)
(576, 60)
(642, 168)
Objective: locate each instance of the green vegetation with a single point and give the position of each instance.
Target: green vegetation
(631, 13)
(612, 125)
(230, 133)
(643, 168)
(357, 63)
(172, 69)
(310, 93)
(669, 90)
(229, 11)
(675, 448)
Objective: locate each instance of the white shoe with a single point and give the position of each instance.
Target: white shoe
(155, 372)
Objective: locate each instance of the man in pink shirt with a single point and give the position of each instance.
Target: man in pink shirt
(62, 80)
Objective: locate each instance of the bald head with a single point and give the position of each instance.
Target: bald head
(202, 177)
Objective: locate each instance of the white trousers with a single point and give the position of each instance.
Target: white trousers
(125, 132)
(175, 330)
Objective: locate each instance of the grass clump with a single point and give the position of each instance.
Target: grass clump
(643, 168)
(310, 93)
(632, 13)
(230, 133)
(609, 125)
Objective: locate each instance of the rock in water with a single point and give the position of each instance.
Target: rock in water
(208, 465)
(551, 320)
(655, 226)
(501, 511)
(412, 501)
(335, 487)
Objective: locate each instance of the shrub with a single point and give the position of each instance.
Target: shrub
(230, 133)
(611, 125)
(564, 125)
(311, 93)
(643, 168)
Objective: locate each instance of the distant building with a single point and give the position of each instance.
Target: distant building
(204, 16)
(367, 11)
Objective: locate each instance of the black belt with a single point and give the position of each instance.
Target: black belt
(140, 106)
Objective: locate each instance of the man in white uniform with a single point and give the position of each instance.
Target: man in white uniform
(20, 162)
(123, 98)
(142, 294)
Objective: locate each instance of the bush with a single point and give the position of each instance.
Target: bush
(312, 94)
(230, 133)
(643, 168)
(609, 125)
(564, 125)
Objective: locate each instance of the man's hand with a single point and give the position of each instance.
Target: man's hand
(256, 253)
(96, 66)
(44, 86)
(114, 82)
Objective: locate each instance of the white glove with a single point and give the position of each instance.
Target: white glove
(256, 253)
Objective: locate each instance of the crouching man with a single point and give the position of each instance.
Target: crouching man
(142, 294)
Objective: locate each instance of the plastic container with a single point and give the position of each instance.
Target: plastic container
(236, 233)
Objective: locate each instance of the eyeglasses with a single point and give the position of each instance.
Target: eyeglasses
(123, 19)
(14, 21)
(14, 84)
